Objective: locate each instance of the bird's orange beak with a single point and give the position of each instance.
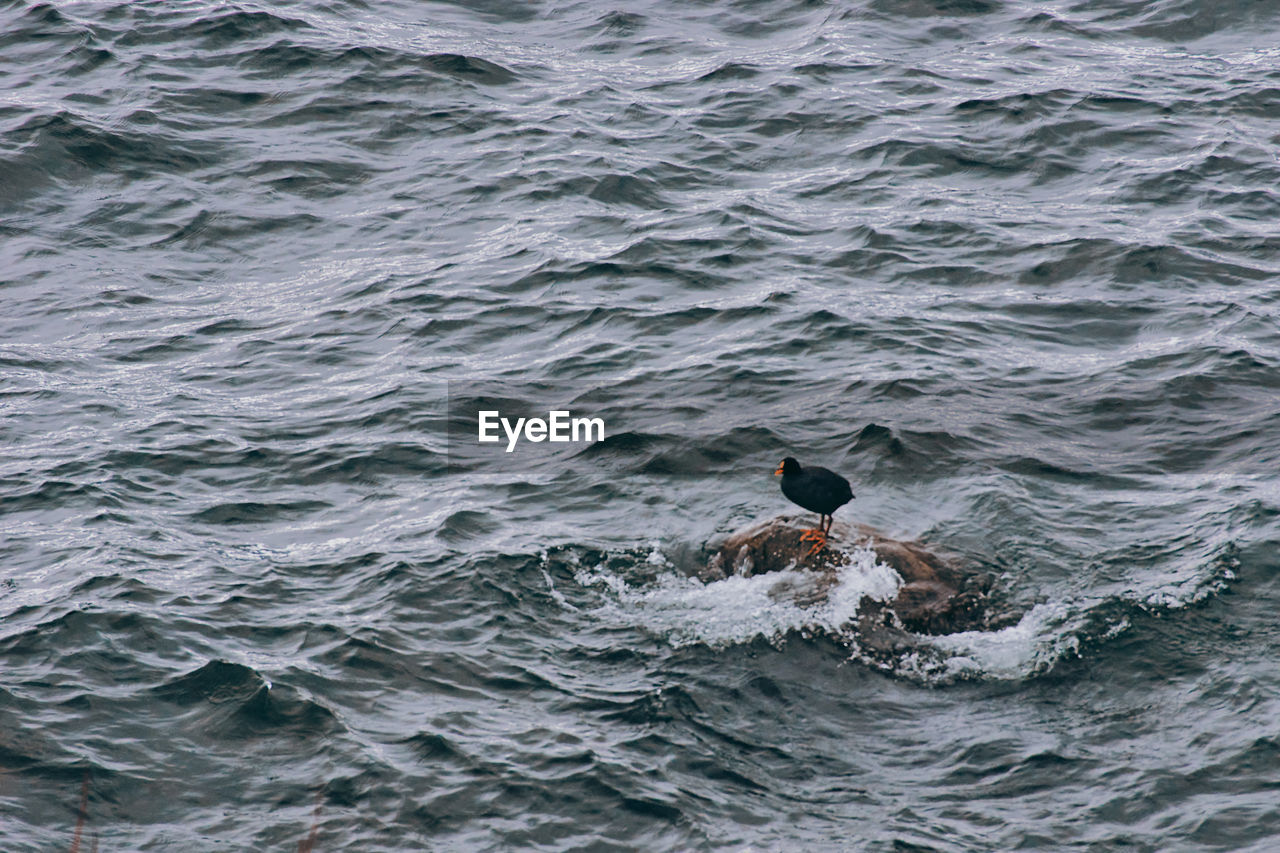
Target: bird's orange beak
(778, 473)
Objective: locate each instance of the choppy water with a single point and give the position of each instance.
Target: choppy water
(1011, 267)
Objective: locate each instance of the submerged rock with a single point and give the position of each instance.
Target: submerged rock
(937, 596)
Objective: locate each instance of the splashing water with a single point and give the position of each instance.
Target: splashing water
(684, 611)
(737, 609)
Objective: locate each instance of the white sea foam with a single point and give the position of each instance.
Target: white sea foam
(738, 609)
(1057, 629)
(685, 611)
(1040, 638)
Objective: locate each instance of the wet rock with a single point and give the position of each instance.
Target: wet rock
(937, 595)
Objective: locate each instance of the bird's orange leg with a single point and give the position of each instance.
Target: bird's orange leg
(818, 536)
(819, 532)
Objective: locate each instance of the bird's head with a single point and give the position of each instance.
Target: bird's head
(787, 466)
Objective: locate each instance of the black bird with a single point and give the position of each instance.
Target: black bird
(817, 490)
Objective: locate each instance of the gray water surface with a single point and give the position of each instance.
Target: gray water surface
(1009, 267)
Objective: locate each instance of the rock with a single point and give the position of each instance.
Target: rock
(937, 595)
